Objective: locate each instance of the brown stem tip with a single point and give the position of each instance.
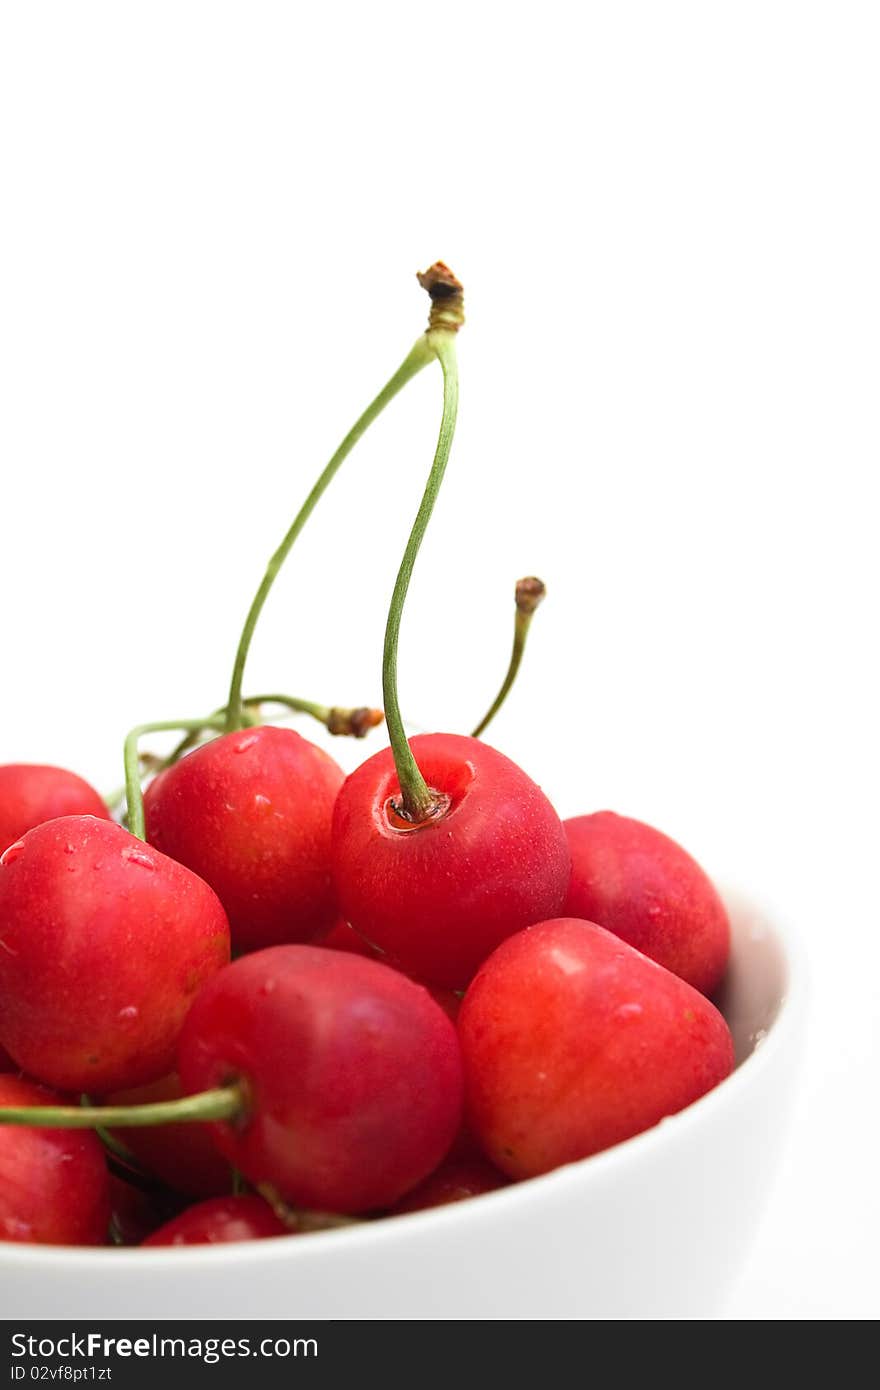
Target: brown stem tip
(354, 723)
(447, 297)
(529, 593)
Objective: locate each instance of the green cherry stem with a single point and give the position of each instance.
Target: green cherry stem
(355, 723)
(418, 801)
(529, 593)
(133, 790)
(111, 1143)
(224, 1103)
(418, 357)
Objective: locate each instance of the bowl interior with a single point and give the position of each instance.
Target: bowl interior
(757, 981)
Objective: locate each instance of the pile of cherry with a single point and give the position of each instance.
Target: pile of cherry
(284, 998)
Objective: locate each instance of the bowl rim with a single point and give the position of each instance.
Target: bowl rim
(401, 1228)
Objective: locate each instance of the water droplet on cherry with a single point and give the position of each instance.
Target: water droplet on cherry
(245, 743)
(629, 1011)
(12, 853)
(139, 857)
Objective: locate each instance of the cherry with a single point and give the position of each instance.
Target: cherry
(442, 847)
(184, 1156)
(350, 1073)
(54, 1184)
(439, 895)
(219, 1220)
(31, 794)
(6, 1062)
(454, 1181)
(646, 889)
(573, 1041)
(250, 813)
(103, 944)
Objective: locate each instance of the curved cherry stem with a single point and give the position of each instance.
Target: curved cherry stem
(223, 1103)
(353, 722)
(418, 802)
(133, 790)
(339, 720)
(529, 593)
(419, 356)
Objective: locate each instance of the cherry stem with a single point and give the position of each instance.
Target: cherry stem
(133, 791)
(529, 593)
(337, 719)
(419, 356)
(224, 1103)
(418, 802)
(353, 722)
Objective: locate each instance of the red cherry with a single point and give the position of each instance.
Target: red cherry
(103, 944)
(250, 813)
(645, 888)
(454, 1181)
(31, 794)
(184, 1156)
(441, 894)
(6, 1062)
(54, 1184)
(220, 1220)
(351, 1073)
(573, 1041)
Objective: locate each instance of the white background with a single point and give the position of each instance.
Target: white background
(666, 217)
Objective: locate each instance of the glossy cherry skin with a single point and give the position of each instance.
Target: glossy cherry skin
(573, 1041)
(54, 1183)
(639, 884)
(31, 793)
(104, 943)
(454, 1181)
(250, 813)
(184, 1156)
(440, 896)
(351, 1070)
(219, 1220)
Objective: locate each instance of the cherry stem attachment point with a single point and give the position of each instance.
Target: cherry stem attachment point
(224, 1103)
(418, 802)
(418, 357)
(529, 594)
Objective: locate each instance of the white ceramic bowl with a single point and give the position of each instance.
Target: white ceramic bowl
(654, 1228)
